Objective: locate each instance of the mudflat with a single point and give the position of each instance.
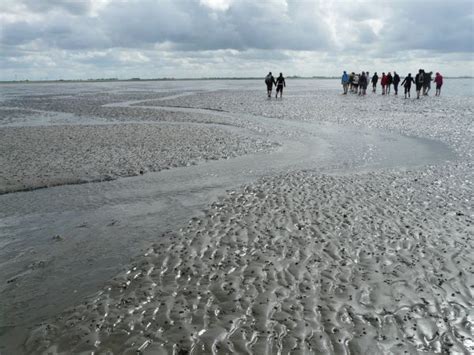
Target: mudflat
(319, 223)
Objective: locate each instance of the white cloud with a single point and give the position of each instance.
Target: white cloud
(219, 5)
(231, 37)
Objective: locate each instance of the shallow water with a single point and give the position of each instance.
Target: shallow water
(73, 238)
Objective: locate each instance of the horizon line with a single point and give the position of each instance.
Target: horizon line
(182, 79)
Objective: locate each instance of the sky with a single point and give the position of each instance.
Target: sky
(82, 39)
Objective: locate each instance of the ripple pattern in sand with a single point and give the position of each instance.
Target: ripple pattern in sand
(296, 264)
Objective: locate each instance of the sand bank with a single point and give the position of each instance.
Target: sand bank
(34, 157)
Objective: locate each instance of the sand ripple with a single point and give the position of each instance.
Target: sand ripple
(296, 264)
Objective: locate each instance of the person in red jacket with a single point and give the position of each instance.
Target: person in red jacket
(384, 82)
(439, 82)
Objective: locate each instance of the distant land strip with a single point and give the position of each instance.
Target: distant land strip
(177, 79)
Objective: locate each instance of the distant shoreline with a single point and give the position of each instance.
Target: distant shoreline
(175, 79)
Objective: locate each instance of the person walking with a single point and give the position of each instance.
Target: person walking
(427, 83)
(355, 83)
(389, 82)
(396, 81)
(269, 81)
(375, 79)
(280, 84)
(367, 81)
(439, 82)
(383, 83)
(419, 82)
(406, 83)
(362, 83)
(345, 82)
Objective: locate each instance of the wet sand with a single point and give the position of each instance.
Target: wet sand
(296, 264)
(361, 259)
(45, 156)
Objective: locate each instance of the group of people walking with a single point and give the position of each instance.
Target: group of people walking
(278, 82)
(358, 83)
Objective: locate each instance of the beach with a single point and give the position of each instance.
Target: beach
(202, 217)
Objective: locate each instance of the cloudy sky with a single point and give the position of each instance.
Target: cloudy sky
(80, 39)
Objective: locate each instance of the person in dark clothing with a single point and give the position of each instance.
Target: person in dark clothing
(396, 81)
(367, 81)
(406, 83)
(383, 83)
(419, 78)
(362, 84)
(375, 79)
(427, 83)
(389, 82)
(269, 81)
(280, 84)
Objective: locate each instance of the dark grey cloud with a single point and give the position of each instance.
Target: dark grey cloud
(246, 24)
(184, 24)
(189, 33)
(75, 7)
(187, 25)
(441, 26)
(61, 30)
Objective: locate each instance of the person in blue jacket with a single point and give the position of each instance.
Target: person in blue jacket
(345, 82)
